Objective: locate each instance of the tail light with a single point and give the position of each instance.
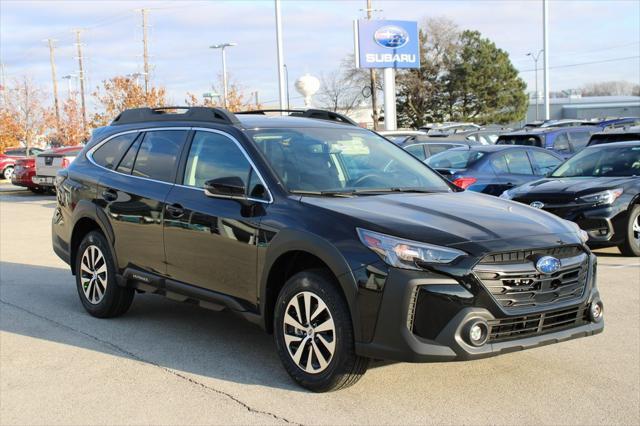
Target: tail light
(465, 182)
(65, 162)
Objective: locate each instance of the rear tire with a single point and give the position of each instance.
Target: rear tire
(98, 289)
(631, 245)
(318, 353)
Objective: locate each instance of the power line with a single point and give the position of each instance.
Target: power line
(587, 63)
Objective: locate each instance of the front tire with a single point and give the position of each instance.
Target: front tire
(7, 173)
(314, 333)
(631, 245)
(98, 289)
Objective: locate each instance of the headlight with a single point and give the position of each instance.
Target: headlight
(405, 253)
(507, 195)
(604, 197)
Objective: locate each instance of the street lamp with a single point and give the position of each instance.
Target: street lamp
(210, 96)
(535, 61)
(68, 77)
(222, 47)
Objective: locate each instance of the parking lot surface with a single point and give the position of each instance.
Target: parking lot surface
(170, 363)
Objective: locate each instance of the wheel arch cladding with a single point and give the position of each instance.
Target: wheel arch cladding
(287, 257)
(86, 219)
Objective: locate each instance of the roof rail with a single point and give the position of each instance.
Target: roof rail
(319, 114)
(137, 115)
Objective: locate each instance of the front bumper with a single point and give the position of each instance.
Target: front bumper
(437, 331)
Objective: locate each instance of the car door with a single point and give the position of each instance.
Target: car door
(512, 168)
(133, 191)
(211, 242)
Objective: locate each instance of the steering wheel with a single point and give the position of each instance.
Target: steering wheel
(363, 179)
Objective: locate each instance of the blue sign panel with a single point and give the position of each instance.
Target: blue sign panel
(387, 44)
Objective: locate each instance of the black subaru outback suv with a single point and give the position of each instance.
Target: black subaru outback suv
(338, 242)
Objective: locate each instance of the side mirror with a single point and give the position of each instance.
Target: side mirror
(226, 187)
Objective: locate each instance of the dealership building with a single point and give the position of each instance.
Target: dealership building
(586, 107)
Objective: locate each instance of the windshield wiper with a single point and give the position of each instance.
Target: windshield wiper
(322, 193)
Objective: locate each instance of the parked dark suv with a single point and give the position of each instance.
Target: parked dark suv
(338, 242)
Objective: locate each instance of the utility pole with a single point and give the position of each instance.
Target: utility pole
(145, 51)
(81, 78)
(281, 82)
(257, 101)
(545, 56)
(55, 81)
(372, 79)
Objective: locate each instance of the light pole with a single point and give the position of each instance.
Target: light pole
(545, 56)
(68, 77)
(279, 50)
(286, 77)
(225, 90)
(210, 96)
(535, 61)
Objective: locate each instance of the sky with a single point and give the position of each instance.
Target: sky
(590, 41)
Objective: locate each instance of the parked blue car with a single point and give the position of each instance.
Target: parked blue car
(564, 141)
(493, 169)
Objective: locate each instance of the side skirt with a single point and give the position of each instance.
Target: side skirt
(175, 290)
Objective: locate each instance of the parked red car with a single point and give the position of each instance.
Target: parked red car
(8, 160)
(24, 169)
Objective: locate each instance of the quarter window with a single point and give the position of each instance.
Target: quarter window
(158, 155)
(111, 151)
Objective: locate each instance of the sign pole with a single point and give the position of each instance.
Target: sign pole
(389, 83)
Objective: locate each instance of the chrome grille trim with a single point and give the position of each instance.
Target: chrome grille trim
(520, 286)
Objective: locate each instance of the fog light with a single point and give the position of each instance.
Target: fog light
(596, 311)
(477, 332)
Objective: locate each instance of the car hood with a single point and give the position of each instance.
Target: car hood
(571, 187)
(475, 222)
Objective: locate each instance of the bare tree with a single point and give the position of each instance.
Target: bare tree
(24, 115)
(610, 88)
(338, 93)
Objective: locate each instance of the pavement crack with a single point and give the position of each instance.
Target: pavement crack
(140, 359)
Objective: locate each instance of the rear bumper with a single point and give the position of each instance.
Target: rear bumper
(40, 180)
(409, 332)
(23, 178)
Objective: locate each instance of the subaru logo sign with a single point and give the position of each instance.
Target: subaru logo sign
(537, 204)
(548, 265)
(391, 36)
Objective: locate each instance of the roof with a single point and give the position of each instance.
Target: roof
(256, 121)
(615, 144)
(496, 148)
(545, 130)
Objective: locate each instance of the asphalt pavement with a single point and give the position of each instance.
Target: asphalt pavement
(170, 363)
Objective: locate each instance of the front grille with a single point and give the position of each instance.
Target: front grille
(514, 282)
(533, 325)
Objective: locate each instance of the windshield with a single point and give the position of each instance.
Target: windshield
(342, 160)
(454, 159)
(602, 161)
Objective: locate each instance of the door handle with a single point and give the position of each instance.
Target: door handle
(175, 210)
(109, 195)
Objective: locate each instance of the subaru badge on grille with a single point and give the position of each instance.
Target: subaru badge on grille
(548, 265)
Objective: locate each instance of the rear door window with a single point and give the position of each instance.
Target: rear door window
(561, 143)
(579, 139)
(518, 162)
(417, 151)
(499, 164)
(109, 154)
(544, 162)
(437, 148)
(158, 155)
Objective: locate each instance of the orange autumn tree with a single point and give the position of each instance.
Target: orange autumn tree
(70, 131)
(236, 99)
(120, 93)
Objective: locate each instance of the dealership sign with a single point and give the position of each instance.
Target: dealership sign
(387, 44)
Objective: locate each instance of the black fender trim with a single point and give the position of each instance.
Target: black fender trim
(290, 240)
(85, 209)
